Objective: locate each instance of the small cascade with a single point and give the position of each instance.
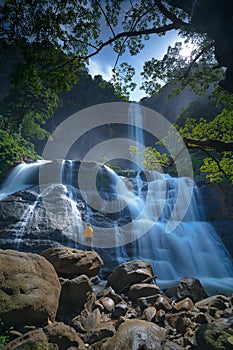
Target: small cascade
(22, 177)
(25, 221)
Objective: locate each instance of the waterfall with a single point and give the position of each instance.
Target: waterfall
(135, 128)
(21, 177)
(132, 220)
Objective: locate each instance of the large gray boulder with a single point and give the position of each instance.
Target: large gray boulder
(70, 262)
(136, 334)
(29, 289)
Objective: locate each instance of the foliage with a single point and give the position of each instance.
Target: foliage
(4, 334)
(49, 44)
(12, 149)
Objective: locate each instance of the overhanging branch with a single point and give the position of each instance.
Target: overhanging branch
(218, 146)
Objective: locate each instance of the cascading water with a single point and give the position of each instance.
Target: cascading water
(138, 220)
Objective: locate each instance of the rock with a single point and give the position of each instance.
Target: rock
(192, 288)
(32, 340)
(29, 289)
(143, 290)
(163, 302)
(92, 320)
(108, 303)
(70, 262)
(64, 336)
(210, 337)
(119, 310)
(185, 305)
(144, 302)
(219, 302)
(136, 334)
(183, 322)
(74, 294)
(104, 330)
(129, 273)
(149, 313)
(169, 345)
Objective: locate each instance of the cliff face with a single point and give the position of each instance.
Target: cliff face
(218, 204)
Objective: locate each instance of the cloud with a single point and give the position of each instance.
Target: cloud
(96, 68)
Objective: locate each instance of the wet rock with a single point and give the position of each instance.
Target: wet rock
(119, 310)
(29, 289)
(201, 318)
(217, 301)
(169, 345)
(149, 313)
(136, 334)
(185, 305)
(183, 322)
(92, 320)
(70, 262)
(129, 273)
(108, 304)
(163, 302)
(160, 316)
(34, 340)
(74, 294)
(143, 290)
(144, 302)
(210, 337)
(192, 288)
(64, 336)
(102, 331)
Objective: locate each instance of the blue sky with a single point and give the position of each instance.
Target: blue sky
(155, 47)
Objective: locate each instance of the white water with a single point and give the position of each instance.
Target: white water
(135, 129)
(20, 178)
(192, 249)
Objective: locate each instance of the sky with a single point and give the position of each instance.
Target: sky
(155, 47)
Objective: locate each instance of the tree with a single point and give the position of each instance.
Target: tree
(55, 39)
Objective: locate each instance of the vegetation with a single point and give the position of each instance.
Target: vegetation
(49, 44)
(4, 334)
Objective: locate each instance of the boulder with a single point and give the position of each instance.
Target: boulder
(64, 336)
(136, 334)
(129, 273)
(143, 290)
(210, 337)
(32, 340)
(192, 288)
(70, 262)
(74, 294)
(29, 289)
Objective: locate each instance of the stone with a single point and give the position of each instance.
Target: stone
(218, 301)
(34, 340)
(163, 302)
(108, 303)
(169, 345)
(70, 262)
(136, 334)
(144, 302)
(74, 294)
(92, 320)
(184, 305)
(29, 289)
(210, 337)
(129, 273)
(192, 288)
(183, 322)
(149, 313)
(64, 336)
(119, 310)
(143, 290)
(104, 330)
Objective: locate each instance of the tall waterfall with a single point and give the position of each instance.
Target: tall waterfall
(135, 128)
(132, 220)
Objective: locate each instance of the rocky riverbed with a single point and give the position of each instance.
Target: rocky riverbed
(57, 301)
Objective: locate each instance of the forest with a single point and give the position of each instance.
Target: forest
(45, 48)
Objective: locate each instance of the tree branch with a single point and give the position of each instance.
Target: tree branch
(176, 21)
(106, 18)
(205, 49)
(162, 29)
(218, 146)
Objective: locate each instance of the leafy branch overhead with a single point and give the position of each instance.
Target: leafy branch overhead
(49, 45)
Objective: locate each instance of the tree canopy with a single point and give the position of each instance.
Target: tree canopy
(50, 42)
